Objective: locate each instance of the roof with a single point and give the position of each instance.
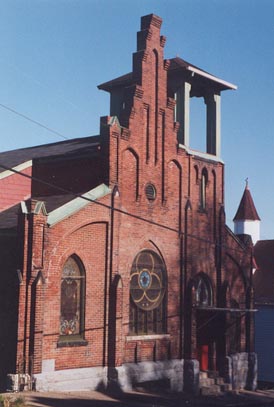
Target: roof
(58, 207)
(263, 279)
(74, 205)
(179, 64)
(53, 202)
(8, 218)
(13, 158)
(175, 65)
(121, 81)
(246, 209)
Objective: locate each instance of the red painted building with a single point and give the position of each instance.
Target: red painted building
(118, 267)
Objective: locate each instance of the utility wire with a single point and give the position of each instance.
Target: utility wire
(109, 207)
(80, 195)
(33, 121)
(67, 191)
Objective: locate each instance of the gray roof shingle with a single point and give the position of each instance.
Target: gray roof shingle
(15, 157)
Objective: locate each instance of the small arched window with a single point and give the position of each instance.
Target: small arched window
(147, 294)
(204, 180)
(72, 299)
(196, 173)
(203, 295)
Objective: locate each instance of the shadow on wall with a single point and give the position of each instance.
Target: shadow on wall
(9, 295)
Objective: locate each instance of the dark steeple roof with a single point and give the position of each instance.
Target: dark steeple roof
(246, 210)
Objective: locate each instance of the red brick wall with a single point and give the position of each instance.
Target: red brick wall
(14, 188)
(85, 235)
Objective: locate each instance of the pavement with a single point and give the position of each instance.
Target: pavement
(260, 398)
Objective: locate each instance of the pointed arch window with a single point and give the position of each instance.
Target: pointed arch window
(72, 300)
(203, 292)
(204, 180)
(147, 294)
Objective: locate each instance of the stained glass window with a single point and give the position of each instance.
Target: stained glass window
(147, 294)
(72, 298)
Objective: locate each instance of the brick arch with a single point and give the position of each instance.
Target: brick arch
(203, 189)
(130, 174)
(147, 245)
(214, 198)
(205, 172)
(150, 245)
(202, 276)
(196, 171)
(76, 257)
(156, 248)
(68, 251)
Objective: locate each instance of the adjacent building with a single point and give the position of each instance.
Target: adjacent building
(247, 227)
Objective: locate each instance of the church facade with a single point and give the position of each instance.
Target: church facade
(118, 267)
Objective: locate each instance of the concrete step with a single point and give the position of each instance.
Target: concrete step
(203, 375)
(226, 387)
(206, 382)
(219, 380)
(213, 390)
(211, 384)
(212, 374)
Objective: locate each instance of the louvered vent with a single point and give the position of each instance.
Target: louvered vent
(150, 192)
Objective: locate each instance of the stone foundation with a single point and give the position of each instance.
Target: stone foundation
(72, 379)
(241, 370)
(123, 377)
(252, 375)
(191, 376)
(133, 374)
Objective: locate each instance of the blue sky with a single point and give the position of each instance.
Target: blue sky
(54, 53)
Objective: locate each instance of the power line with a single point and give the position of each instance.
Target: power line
(109, 207)
(33, 121)
(67, 191)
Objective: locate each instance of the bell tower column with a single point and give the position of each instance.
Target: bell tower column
(213, 124)
(182, 96)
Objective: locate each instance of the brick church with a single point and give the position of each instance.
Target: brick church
(117, 265)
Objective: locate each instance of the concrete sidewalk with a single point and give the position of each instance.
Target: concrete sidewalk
(138, 399)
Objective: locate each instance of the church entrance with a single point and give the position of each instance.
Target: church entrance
(206, 340)
(205, 324)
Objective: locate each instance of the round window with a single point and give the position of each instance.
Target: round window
(150, 192)
(147, 280)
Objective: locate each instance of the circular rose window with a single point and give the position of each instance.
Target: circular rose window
(147, 280)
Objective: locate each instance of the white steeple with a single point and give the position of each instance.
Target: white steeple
(246, 220)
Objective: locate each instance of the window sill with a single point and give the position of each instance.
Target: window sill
(147, 337)
(71, 342)
(202, 210)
